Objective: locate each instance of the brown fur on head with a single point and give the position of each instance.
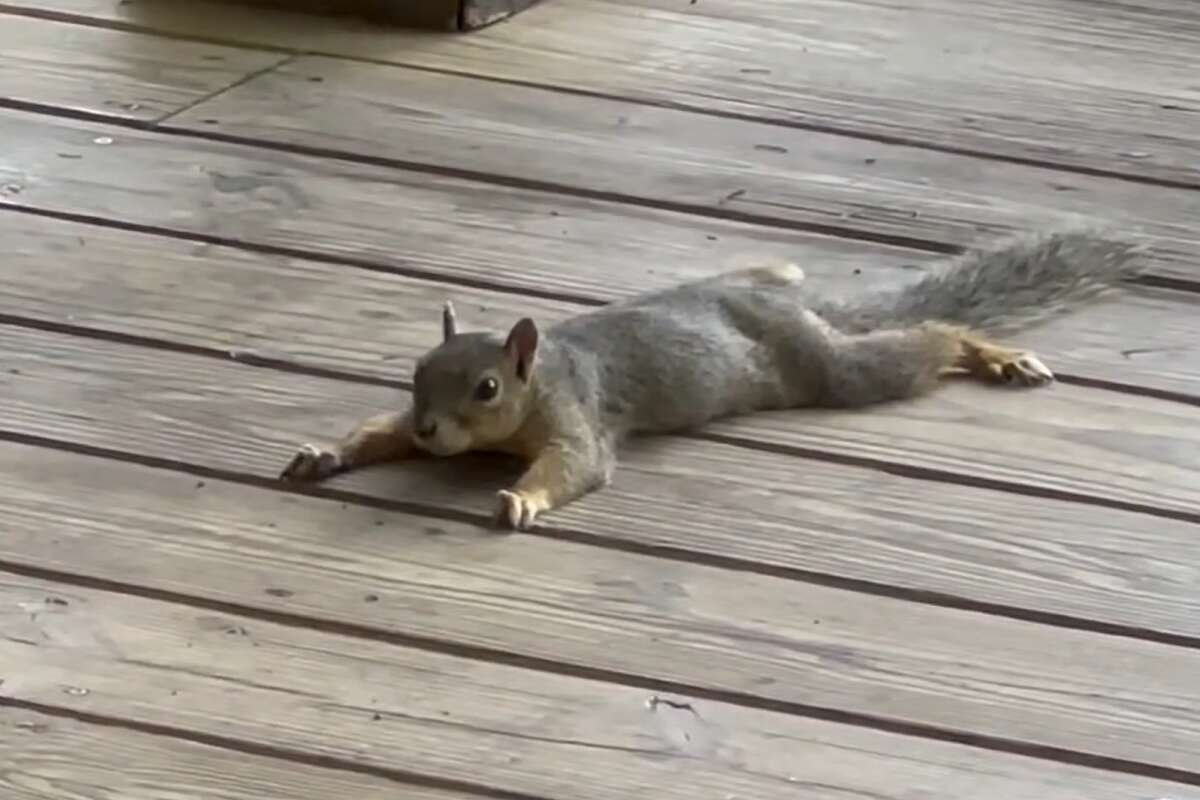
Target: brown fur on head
(471, 391)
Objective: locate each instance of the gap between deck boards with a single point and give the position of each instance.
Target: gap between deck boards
(43, 750)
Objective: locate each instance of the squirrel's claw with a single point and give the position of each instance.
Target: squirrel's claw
(515, 510)
(1013, 367)
(310, 463)
(1028, 370)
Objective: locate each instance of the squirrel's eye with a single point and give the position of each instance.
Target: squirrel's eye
(487, 389)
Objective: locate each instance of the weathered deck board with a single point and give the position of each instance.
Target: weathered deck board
(793, 561)
(1130, 353)
(1101, 444)
(1065, 558)
(443, 227)
(991, 77)
(446, 717)
(592, 608)
(118, 74)
(376, 324)
(57, 758)
(852, 65)
(715, 165)
(663, 155)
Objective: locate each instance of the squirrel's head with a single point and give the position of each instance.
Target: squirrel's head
(471, 391)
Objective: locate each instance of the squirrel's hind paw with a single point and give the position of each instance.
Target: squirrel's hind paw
(1028, 370)
(310, 463)
(999, 364)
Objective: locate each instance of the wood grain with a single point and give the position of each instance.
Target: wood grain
(715, 165)
(591, 608)
(691, 497)
(407, 221)
(445, 717)
(376, 324)
(114, 73)
(989, 78)
(57, 758)
(1059, 439)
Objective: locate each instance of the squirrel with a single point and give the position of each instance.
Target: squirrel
(748, 340)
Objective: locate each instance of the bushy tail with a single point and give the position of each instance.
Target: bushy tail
(1020, 282)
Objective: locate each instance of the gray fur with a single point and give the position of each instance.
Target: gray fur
(677, 358)
(1027, 279)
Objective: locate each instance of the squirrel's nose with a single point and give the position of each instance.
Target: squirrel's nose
(427, 429)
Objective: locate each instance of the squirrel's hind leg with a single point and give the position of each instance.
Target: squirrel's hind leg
(885, 365)
(384, 437)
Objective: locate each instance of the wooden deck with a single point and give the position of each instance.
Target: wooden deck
(229, 230)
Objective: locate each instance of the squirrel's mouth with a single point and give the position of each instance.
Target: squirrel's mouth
(447, 443)
(433, 448)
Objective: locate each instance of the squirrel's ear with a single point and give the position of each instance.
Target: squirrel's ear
(522, 345)
(449, 321)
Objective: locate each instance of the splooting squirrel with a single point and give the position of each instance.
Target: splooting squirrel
(741, 341)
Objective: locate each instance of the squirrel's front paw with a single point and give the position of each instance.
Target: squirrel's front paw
(311, 463)
(517, 510)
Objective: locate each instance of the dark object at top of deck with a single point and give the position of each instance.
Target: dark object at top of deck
(445, 15)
